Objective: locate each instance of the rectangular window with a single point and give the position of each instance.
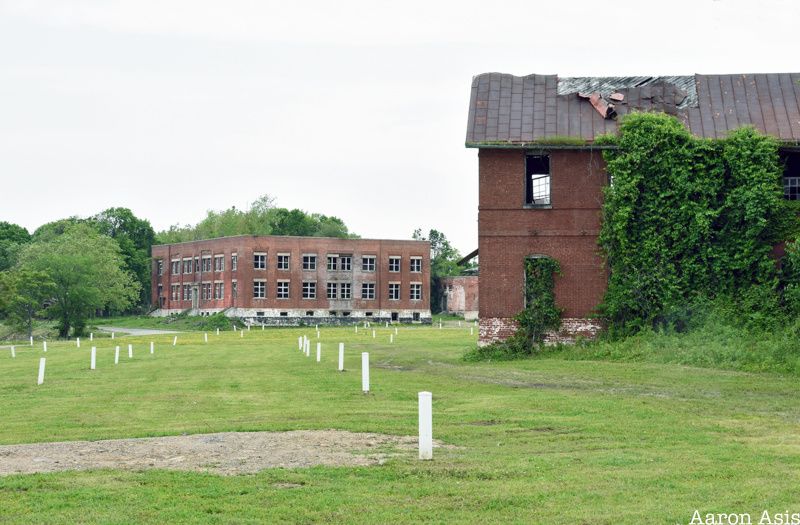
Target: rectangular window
(368, 263)
(205, 291)
(332, 289)
(175, 292)
(219, 263)
(219, 290)
(415, 265)
(345, 291)
(259, 261)
(187, 292)
(309, 262)
(394, 291)
(234, 262)
(283, 289)
(309, 290)
(283, 261)
(234, 289)
(416, 292)
(537, 180)
(259, 290)
(394, 264)
(160, 291)
(332, 260)
(206, 263)
(791, 188)
(368, 291)
(197, 264)
(345, 263)
(159, 267)
(176, 267)
(187, 265)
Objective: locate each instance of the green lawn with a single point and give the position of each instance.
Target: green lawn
(536, 441)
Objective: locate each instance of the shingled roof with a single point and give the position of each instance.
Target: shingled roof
(511, 111)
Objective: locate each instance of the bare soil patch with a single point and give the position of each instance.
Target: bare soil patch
(227, 453)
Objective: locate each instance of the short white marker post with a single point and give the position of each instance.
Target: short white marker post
(440, 325)
(175, 340)
(262, 327)
(341, 357)
(205, 336)
(116, 355)
(395, 330)
(387, 324)
(91, 336)
(130, 351)
(41, 371)
(319, 351)
(78, 342)
(459, 324)
(300, 343)
(356, 328)
(471, 331)
(365, 372)
(234, 328)
(93, 360)
(316, 327)
(151, 347)
(13, 352)
(217, 331)
(391, 338)
(248, 328)
(31, 340)
(241, 334)
(373, 334)
(44, 345)
(425, 426)
(112, 335)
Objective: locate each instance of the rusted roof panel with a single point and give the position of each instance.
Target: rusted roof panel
(510, 110)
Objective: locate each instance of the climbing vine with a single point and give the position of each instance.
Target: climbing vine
(686, 219)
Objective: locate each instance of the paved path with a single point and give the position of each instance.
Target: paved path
(136, 331)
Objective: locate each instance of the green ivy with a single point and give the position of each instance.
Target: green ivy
(687, 219)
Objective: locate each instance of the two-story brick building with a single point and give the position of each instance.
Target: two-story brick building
(541, 175)
(285, 280)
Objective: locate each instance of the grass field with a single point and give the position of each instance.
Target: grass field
(536, 441)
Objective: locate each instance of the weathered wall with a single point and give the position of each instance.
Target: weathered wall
(567, 231)
(461, 295)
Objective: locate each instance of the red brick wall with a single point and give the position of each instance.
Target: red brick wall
(463, 293)
(508, 232)
(246, 246)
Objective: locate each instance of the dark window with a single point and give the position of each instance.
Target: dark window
(394, 316)
(415, 316)
(284, 314)
(537, 180)
(309, 313)
(791, 176)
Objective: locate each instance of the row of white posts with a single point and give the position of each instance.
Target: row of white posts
(92, 359)
(425, 398)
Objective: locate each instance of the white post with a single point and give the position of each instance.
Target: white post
(307, 345)
(395, 330)
(356, 328)
(44, 344)
(217, 331)
(13, 352)
(41, 371)
(391, 338)
(387, 324)
(262, 326)
(116, 355)
(440, 325)
(234, 328)
(459, 324)
(31, 340)
(175, 340)
(241, 334)
(130, 351)
(475, 323)
(341, 357)
(316, 327)
(78, 342)
(112, 335)
(471, 331)
(319, 351)
(94, 358)
(300, 343)
(317, 334)
(425, 425)
(205, 336)
(373, 334)
(151, 347)
(91, 336)
(365, 372)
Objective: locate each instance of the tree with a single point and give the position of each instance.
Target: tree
(12, 238)
(86, 269)
(135, 237)
(444, 262)
(25, 293)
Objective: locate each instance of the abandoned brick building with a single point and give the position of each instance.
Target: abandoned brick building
(288, 280)
(541, 176)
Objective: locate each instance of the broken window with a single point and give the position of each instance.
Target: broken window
(160, 267)
(234, 289)
(537, 180)
(791, 175)
(234, 262)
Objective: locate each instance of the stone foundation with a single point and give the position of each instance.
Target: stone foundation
(494, 329)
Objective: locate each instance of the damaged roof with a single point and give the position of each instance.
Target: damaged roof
(515, 111)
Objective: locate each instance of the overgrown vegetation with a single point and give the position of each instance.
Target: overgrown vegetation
(686, 220)
(540, 316)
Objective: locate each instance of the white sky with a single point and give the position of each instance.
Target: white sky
(353, 109)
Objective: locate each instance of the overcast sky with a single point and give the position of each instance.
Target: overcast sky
(353, 109)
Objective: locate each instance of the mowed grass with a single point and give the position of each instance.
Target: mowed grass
(535, 441)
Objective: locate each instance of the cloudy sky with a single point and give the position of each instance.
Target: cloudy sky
(350, 108)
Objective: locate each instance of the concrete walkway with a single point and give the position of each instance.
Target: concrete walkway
(136, 331)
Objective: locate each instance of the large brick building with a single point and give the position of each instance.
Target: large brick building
(285, 280)
(541, 175)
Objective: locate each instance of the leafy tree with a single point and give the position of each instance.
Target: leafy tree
(12, 237)
(444, 262)
(135, 237)
(51, 230)
(25, 293)
(87, 271)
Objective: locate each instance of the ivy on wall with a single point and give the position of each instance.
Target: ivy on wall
(686, 219)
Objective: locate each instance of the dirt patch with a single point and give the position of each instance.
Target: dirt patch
(227, 453)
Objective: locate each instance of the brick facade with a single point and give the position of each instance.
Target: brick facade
(566, 230)
(460, 296)
(203, 279)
